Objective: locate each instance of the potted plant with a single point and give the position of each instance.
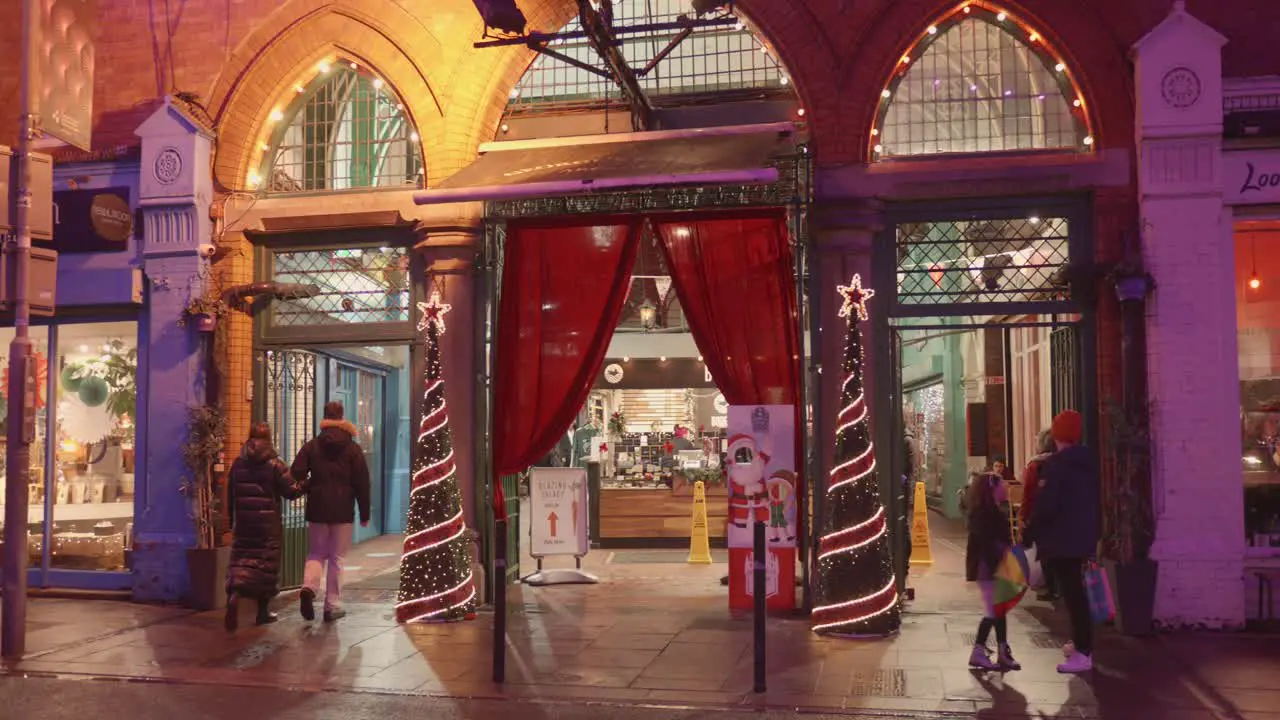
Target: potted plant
(1129, 526)
(207, 561)
(617, 425)
(204, 311)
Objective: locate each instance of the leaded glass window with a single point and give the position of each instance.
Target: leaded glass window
(711, 59)
(357, 286)
(978, 83)
(346, 130)
(980, 261)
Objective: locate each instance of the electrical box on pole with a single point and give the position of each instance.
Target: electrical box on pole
(43, 274)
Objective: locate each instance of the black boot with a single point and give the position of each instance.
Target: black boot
(265, 616)
(232, 618)
(308, 604)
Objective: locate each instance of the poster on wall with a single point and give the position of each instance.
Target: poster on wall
(762, 482)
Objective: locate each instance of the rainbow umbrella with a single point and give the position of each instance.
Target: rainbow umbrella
(1010, 581)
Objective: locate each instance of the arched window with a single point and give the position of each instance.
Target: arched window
(710, 59)
(345, 130)
(979, 81)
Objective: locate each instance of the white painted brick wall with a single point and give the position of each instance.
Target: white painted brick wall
(1193, 378)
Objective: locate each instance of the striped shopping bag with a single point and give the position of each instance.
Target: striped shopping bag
(1102, 606)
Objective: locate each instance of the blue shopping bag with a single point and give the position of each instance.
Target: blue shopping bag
(1098, 588)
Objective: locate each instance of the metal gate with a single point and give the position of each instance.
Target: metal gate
(289, 406)
(1063, 360)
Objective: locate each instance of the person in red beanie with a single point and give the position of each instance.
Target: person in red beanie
(1064, 529)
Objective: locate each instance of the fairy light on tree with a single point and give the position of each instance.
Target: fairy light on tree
(435, 569)
(857, 588)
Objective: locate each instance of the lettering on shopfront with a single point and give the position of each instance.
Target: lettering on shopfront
(1258, 181)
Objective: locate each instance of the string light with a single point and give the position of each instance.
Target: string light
(857, 586)
(1035, 41)
(435, 569)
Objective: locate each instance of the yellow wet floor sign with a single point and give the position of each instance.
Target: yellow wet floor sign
(699, 540)
(921, 553)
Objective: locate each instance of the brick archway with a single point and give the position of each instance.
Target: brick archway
(1099, 64)
(260, 76)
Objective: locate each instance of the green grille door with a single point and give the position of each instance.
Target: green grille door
(289, 378)
(511, 489)
(1064, 358)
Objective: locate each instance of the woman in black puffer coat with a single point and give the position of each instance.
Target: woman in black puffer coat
(258, 482)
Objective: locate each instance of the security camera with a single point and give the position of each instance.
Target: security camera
(207, 250)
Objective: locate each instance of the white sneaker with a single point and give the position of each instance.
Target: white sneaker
(980, 659)
(1077, 663)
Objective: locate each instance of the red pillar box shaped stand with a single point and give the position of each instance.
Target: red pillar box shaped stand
(761, 461)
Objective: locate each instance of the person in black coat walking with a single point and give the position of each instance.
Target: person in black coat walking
(1064, 528)
(337, 479)
(258, 482)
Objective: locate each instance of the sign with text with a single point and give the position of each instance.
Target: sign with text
(64, 91)
(1251, 178)
(762, 481)
(558, 512)
(91, 221)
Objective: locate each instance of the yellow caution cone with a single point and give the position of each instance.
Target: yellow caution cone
(699, 540)
(921, 553)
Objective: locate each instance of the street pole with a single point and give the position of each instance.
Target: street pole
(21, 423)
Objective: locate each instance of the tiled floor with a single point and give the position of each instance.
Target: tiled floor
(661, 633)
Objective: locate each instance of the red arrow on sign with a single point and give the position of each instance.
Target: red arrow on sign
(552, 518)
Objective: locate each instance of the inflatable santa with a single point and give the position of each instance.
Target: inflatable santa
(748, 498)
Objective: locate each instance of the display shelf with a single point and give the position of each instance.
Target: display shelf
(81, 512)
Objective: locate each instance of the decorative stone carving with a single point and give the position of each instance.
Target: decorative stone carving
(1180, 87)
(168, 166)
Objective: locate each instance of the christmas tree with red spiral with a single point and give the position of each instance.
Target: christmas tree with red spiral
(435, 570)
(857, 588)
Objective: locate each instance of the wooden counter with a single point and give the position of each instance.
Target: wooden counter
(631, 515)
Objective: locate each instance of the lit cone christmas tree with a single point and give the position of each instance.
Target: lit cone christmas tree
(857, 589)
(435, 570)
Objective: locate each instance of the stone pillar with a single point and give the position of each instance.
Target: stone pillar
(447, 258)
(1191, 325)
(174, 196)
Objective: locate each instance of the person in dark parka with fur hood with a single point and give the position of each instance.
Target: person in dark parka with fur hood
(258, 482)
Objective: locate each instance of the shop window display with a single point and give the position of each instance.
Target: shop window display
(1258, 321)
(93, 486)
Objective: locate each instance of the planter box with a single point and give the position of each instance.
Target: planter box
(1133, 586)
(207, 570)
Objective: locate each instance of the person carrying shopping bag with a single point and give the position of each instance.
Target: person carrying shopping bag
(1064, 529)
(988, 550)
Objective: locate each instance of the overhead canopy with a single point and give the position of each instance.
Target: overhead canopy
(594, 163)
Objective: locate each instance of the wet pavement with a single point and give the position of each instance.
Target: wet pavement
(658, 634)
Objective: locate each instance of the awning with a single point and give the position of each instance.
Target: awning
(738, 155)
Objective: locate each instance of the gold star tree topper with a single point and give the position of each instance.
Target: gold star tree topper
(433, 312)
(855, 299)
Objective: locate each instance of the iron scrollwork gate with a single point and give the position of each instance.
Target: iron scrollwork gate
(289, 406)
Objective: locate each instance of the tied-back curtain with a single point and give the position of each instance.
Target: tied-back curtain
(735, 280)
(563, 288)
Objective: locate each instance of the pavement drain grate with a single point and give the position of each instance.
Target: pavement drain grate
(881, 683)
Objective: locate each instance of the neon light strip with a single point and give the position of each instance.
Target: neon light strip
(461, 529)
(433, 613)
(893, 601)
(452, 471)
(836, 486)
(831, 538)
(433, 465)
(884, 528)
(453, 589)
(424, 433)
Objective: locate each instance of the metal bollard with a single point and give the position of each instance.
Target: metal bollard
(500, 603)
(759, 556)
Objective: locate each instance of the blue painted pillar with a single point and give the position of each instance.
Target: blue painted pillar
(175, 190)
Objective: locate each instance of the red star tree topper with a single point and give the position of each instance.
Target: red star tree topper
(435, 569)
(857, 587)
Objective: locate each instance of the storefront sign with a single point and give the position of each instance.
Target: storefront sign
(653, 374)
(88, 221)
(762, 483)
(558, 512)
(1251, 178)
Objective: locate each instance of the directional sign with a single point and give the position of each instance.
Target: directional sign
(558, 512)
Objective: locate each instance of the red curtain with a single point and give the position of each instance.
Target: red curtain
(563, 287)
(736, 283)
